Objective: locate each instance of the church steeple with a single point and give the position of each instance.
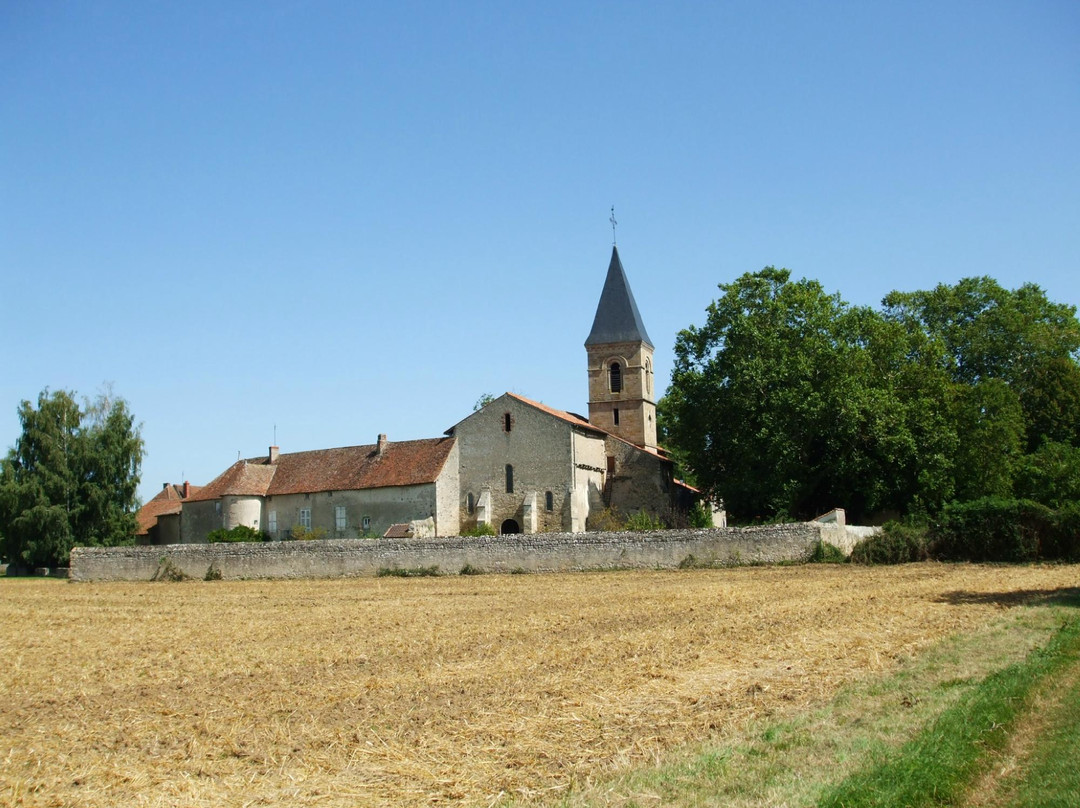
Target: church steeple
(617, 316)
(621, 398)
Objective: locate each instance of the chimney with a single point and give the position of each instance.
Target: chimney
(165, 486)
(187, 489)
(273, 454)
(381, 449)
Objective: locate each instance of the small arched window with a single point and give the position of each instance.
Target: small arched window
(648, 377)
(509, 479)
(616, 414)
(615, 377)
(470, 503)
(549, 501)
(508, 422)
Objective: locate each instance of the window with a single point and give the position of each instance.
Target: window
(615, 377)
(508, 422)
(305, 517)
(367, 523)
(509, 479)
(340, 521)
(272, 522)
(648, 377)
(470, 503)
(549, 501)
(616, 412)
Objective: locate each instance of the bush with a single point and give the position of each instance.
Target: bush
(897, 543)
(994, 529)
(168, 571)
(479, 529)
(238, 533)
(608, 520)
(825, 553)
(300, 533)
(469, 569)
(699, 516)
(411, 572)
(642, 521)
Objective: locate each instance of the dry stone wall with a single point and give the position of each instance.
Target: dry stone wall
(541, 552)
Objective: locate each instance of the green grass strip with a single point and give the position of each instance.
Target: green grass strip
(937, 766)
(1052, 777)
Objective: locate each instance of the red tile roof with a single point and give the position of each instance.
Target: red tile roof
(401, 531)
(242, 478)
(351, 468)
(166, 501)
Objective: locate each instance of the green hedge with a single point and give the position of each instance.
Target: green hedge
(897, 543)
(993, 529)
(1066, 541)
(238, 533)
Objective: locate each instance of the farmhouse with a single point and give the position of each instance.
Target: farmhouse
(515, 464)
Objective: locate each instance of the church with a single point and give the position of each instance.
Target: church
(513, 466)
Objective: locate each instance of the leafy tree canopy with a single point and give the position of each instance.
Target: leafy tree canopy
(71, 478)
(789, 401)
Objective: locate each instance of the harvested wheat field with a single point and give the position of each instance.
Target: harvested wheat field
(451, 690)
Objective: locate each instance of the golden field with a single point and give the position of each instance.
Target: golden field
(450, 690)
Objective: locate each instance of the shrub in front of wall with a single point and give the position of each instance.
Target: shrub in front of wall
(300, 533)
(479, 529)
(609, 520)
(642, 521)
(825, 553)
(700, 516)
(994, 529)
(410, 572)
(238, 533)
(897, 543)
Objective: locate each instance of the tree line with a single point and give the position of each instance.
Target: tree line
(71, 478)
(789, 401)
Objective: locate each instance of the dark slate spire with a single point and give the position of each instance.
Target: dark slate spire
(617, 318)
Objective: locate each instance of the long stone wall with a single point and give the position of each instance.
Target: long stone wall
(541, 552)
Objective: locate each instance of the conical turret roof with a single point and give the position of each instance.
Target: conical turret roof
(617, 317)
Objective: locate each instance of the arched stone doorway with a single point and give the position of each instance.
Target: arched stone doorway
(509, 527)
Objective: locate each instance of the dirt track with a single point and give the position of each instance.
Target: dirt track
(448, 690)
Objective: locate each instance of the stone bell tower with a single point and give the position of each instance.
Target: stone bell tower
(621, 394)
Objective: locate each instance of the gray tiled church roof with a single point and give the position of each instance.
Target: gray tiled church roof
(617, 318)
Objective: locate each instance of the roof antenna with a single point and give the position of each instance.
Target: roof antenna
(613, 223)
(275, 434)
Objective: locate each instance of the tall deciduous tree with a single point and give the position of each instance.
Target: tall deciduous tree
(774, 402)
(789, 401)
(70, 479)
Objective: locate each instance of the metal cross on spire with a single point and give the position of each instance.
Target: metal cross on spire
(613, 223)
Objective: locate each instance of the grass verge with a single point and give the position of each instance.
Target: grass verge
(1049, 776)
(937, 766)
(835, 755)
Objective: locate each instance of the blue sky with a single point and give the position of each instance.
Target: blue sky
(347, 218)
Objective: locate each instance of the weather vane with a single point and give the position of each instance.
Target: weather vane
(613, 223)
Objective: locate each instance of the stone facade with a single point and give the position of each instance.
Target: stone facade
(528, 467)
(350, 492)
(629, 412)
